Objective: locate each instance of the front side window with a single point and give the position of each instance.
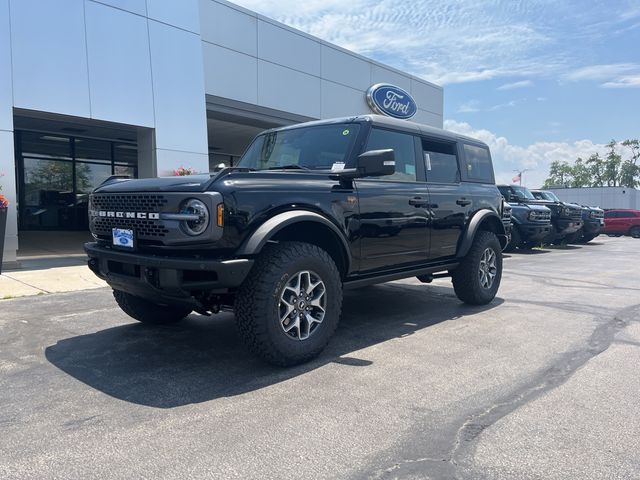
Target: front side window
(403, 146)
(441, 162)
(478, 162)
(314, 148)
(610, 214)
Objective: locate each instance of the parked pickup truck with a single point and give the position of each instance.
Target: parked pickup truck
(531, 223)
(309, 210)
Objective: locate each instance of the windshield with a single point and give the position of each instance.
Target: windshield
(551, 196)
(315, 148)
(523, 192)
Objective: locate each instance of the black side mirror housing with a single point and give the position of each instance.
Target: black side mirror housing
(372, 163)
(377, 163)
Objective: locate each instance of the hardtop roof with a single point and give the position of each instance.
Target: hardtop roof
(389, 122)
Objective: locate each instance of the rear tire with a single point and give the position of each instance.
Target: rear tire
(477, 279)
(146, 311)
(291, 286)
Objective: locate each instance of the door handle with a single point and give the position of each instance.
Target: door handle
(419, 202)
(463, 202)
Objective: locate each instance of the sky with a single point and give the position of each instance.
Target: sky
(538, 80)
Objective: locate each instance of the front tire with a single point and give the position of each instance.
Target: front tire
(477, 279)
(574, 237)
(635, 232)
(146, 311)
(516, 240)
(289, 306)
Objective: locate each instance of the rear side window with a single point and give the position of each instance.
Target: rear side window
(478, 164)
(440, 161)
(625, 215)
(404, 148)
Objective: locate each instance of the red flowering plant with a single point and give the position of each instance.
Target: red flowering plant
(4, 202)
(182, 171)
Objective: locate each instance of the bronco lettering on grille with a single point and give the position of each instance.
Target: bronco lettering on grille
(140, 215)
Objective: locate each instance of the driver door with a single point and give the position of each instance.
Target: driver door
(394, 209)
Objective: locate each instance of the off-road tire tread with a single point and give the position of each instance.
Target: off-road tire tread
(255, 291)
(146, 311)
(464, 277)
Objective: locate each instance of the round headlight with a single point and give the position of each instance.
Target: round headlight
(195, 207)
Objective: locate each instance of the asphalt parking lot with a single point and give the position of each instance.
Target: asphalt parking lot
(542, 383)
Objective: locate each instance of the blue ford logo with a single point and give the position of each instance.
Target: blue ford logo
(392, 101)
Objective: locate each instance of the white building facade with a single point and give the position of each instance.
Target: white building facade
(141, 87)
(603, 197)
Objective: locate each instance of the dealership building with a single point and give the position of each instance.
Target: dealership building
(142, 87)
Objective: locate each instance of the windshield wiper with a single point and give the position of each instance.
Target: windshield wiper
(291, 166)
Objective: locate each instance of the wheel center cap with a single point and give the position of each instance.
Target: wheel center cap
(302, 305)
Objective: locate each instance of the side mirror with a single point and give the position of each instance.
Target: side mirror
(373, 163)
(376, 163)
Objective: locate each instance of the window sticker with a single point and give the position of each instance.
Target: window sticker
(345, 132)
(337, 167)
(409, 169)
(427, 161)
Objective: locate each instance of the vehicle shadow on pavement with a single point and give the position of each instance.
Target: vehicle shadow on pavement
(201, 359)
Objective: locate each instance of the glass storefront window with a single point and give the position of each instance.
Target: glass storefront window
(47, 201)
(59, 173)
(124, 170)
(93, 150)
(45, 145)
(125, 153)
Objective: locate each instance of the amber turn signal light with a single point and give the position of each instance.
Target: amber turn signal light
(220, 214)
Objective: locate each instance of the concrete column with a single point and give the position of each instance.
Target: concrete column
(147, 158)
(7, 155)
(8, 182)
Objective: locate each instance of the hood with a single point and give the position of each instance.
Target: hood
(528, 206)
(189, 183)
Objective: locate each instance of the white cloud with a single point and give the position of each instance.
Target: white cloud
(535, 157)
(514, 85)
(473, 106)
(614, 75)
(624, 81)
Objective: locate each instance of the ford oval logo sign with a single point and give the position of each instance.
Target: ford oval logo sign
(392, 101)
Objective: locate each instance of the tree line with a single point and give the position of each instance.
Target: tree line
(609, 170)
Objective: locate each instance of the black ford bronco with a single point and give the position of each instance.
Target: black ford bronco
(530, 223)
(309, 210)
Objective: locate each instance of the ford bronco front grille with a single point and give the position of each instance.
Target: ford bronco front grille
(143, 228)
(575, 214)
(140, 212)
(129, 202)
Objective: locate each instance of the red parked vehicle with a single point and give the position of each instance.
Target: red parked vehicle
(622, 222)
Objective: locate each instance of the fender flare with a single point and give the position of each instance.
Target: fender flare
(472, 229)
(258, 239)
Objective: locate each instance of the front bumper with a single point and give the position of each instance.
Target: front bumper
(173, 280)
(565, 226)
(533, 233)
(592, 227)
